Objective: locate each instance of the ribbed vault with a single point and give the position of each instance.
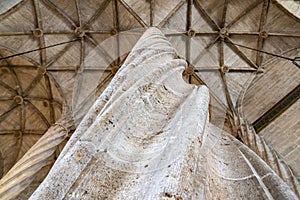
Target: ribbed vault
(30, 102)
(208, 34)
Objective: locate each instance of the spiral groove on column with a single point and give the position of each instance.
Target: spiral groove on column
(23, 172)
(256, 143)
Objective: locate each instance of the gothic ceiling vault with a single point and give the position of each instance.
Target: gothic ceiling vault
(213, 36)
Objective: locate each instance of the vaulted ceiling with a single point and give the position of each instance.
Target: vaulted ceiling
(83, 43)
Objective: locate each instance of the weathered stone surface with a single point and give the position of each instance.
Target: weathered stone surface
(25, 175)
(141, 127)
(147, 137)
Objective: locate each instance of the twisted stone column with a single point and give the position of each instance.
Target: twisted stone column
(148, 137)
(256, 143)
(23, 172)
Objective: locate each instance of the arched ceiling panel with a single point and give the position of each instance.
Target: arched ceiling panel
(204, 56)
(202, 31)
(163, 11)
(8, 5)
(69, 8)
(128, 18)
(280, 21)
(251, 42)
(244, 17)
(67, 58)
(22, 20)
(141, 8)
(279, 78)
(213, 9)
(21, 43)
(53, 19)
(236, 83)
(9, 121)
(199, 21)
(90, 8)
(279, 45)
(52, 54)
(178, 20)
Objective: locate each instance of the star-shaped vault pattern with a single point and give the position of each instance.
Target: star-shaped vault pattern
(205, 33)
